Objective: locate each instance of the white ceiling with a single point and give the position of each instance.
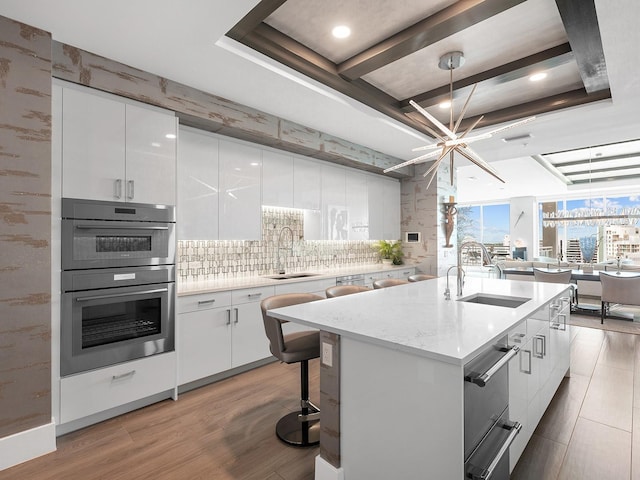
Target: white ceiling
(184, 41)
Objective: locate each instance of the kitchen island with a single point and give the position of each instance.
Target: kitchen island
(393, 362)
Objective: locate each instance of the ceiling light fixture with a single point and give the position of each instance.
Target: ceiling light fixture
(449, 141)
(445, 104)
(341, 31)
(536, 77)
(517, 138)
(170, 135)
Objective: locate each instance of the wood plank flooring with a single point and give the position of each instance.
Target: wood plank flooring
(225, 431)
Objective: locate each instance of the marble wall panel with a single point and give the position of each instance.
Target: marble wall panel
(25, 235)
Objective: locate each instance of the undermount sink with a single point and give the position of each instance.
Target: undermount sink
(495, 300)
(286, 276)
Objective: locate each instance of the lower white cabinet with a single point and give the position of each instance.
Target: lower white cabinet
(536, 373)
(99, 390)
(220, 331)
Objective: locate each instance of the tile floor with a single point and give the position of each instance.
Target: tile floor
(591, 430)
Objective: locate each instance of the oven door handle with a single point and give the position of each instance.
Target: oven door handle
(116, 295)
(482, 379)
(117, 227)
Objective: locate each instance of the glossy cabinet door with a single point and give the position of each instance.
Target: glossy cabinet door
(198, 190)
(335, 212)
(249, 340)
(150, 155)
(391, 215)
(240, 192)
(277, 179)
(357, 200)
(375, 189)
(93, 147)
(306, 184)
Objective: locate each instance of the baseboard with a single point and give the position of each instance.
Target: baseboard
(326, 471)
(23, 446)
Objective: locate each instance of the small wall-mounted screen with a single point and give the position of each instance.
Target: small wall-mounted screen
(412, 237)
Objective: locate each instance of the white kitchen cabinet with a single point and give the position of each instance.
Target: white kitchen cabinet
(240, 210)
(220, 331)
(306, 184)
(93, 147)
(249, 340)
(357, 201)
(335, 213)
(197, 185)
(99, 390)
(116, 150)
(404, 274)
(203, 336)
(384, 208)
(277, 179)
(371, 277)
(150, 155)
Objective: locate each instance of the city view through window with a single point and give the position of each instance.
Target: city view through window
(576, 242)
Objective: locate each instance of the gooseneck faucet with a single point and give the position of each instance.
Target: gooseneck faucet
(279, 267)
(486, 257)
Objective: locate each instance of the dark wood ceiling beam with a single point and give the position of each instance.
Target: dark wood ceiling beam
(446, 22)
(508, 72)
(254, 18)
(544, 105)
(581, 24)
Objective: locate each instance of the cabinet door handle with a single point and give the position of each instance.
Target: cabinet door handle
(130, 190)
(236, 310)
(254, 295)
(122, 376)
(540, 352)
(206, 302)
(528, 370)
(117, 188)
(228, 316)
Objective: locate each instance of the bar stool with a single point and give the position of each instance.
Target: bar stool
(560, 276)
(300, 428)
(389, 282)
(419, 277)
(340, 290)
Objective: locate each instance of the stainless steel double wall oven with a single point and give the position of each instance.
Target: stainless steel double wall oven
(118, 283)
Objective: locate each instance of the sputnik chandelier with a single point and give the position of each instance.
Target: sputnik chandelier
(449, 141)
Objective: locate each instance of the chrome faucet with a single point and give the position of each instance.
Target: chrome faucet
(279, 268)
(460, 271)
(447, 291)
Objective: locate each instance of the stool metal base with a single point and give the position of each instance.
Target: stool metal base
(292, 431)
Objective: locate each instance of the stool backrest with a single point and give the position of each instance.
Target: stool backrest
(340, 290)
(622, 290)
(419, 277)
(389, 282)
(273, 326)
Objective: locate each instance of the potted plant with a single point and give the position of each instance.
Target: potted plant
(390, 251)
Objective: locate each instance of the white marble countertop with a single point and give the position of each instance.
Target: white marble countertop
(417, 319)
(193, 287)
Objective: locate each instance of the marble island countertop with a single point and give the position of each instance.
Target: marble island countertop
(417, 318)
(193, 287)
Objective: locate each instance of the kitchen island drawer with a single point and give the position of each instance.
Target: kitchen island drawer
(99, 390)
(203, 301)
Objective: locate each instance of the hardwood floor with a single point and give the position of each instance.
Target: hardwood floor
(225, 430)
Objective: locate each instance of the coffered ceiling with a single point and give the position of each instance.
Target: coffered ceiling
(393, 52)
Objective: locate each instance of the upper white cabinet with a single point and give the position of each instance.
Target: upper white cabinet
(357, 201)
(197, 185)
(384, 208)
(306, 184)
(150, 155)
(240, 210)
(335, 213)
(277, 179)
(115, 150)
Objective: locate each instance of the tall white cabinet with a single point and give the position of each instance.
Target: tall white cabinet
(115, 149)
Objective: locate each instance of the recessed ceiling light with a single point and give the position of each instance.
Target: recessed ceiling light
(170, 135)
(445, 104)
(341, 31)
(536, 77)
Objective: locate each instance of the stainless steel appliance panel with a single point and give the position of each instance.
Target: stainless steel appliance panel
(111, 325)
(350, 280)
